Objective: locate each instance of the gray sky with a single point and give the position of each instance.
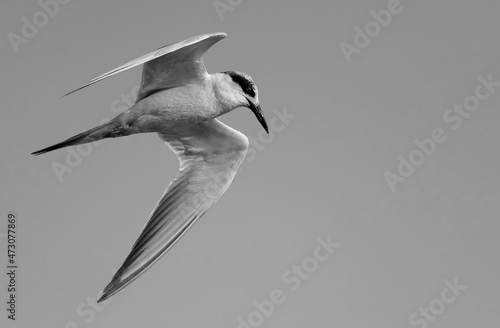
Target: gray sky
(389, 150)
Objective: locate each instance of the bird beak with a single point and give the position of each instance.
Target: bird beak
(255, 107)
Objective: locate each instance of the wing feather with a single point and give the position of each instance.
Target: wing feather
(171, 65)
(209, 153)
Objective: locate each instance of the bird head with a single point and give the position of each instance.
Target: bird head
(241, 91)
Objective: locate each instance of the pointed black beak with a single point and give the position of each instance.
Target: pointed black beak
(255, 107)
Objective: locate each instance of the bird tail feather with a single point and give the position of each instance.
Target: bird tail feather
(97, 133)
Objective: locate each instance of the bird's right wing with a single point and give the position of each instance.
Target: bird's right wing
(169, 66)
(210, 153)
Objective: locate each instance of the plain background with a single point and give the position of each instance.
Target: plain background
(323, 174)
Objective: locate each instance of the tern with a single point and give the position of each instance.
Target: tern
(179, 100)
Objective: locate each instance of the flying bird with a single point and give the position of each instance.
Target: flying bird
(179, 100)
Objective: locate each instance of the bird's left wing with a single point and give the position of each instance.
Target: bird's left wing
(169, 66)
(209, 154)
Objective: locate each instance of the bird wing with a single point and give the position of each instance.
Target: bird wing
(169, 66)
(210, 153)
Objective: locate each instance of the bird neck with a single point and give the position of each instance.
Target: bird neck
(226, 96)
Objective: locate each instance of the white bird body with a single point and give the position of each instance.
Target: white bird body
(180, 101)
(180, 106)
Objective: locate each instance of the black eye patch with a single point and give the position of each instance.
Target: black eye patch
(245, 84)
